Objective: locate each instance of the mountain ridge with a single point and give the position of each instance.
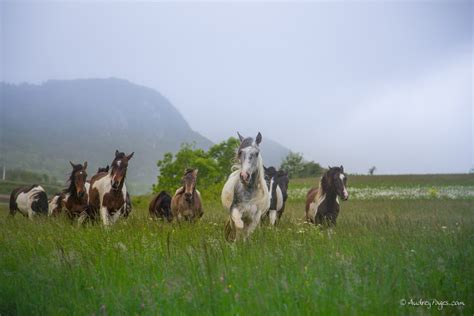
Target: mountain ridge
(45, 125)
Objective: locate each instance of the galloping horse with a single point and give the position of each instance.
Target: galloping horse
(245, 194)
(75, 196)
(322, 205)
(277, 183)
(29, 201)
(160, 206)
(186, 202)
(108, 192)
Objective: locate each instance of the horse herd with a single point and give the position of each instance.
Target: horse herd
(251, 194)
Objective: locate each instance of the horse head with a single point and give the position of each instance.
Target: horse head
(335, 179)
(118, 170)
(78, 179)
(248, 156)
(189, 183)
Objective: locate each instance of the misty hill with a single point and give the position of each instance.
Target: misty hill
(44, 126)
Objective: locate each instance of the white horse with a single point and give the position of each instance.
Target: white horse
(245, 194)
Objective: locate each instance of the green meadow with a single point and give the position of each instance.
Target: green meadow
(387, 255)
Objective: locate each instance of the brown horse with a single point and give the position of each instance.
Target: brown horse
(186, 202)
(108, 192)
(74, 198)
(322, 205)
(160, 206)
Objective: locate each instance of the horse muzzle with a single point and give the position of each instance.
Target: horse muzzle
(188, 197)
(245, 178)
(115, 185)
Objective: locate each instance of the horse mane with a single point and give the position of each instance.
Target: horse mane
(261, 199)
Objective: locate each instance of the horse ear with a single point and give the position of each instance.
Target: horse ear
(130, 156)
(258, 139)
(329, 167)
(265, 168)
(240, 137)
(342, 168)
(85, 165)
(116, 153)
(72, 165)
(195, 172)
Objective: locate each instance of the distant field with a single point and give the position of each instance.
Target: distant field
(383, 254)
(378, 181)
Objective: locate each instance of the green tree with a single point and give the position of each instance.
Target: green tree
(214, 167)
(296, 166)
(293, 164)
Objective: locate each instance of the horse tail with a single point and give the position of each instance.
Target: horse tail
(230, 233)
(40, 204)
(13, 205)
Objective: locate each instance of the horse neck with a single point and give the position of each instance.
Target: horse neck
(330, 193)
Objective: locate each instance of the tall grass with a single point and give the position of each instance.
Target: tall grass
(380, 253)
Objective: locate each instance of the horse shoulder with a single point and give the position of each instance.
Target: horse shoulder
(227, 195)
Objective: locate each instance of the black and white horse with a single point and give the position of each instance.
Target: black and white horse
(322, 204)
(277, 183)
(29, 201)
(245, 194)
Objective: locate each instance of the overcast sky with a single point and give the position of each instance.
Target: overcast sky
(355, 83)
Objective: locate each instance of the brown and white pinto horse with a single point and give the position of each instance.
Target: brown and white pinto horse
(29, 201)
(75, 197)
(322, 205)
(186, 202)
(108, 192)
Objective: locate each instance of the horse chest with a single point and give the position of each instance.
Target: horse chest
(113, 200)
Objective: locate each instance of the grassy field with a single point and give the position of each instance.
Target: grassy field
(383, 258)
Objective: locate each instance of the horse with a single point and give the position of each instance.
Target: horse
(108, 192)
(160, 206)
(55, 204)
(29, 201)
(322, 204)
(245, 193)
(104, 169)
(186, 202)
(99, 170)
(277, 183)
(75, 197)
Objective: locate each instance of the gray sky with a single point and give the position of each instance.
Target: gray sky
(355, 83)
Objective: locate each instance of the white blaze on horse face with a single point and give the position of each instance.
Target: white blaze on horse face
(249, 162)
(344, 193)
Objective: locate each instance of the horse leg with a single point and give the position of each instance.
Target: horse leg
(236, 221)
(273, 217)
(104, 215)
(252, 225)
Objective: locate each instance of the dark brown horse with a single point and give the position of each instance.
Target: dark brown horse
(160, 206)
(322, 205)
(186, 202)
(108, 192)
(75, 197)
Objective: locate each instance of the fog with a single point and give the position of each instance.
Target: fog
(354, 83)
